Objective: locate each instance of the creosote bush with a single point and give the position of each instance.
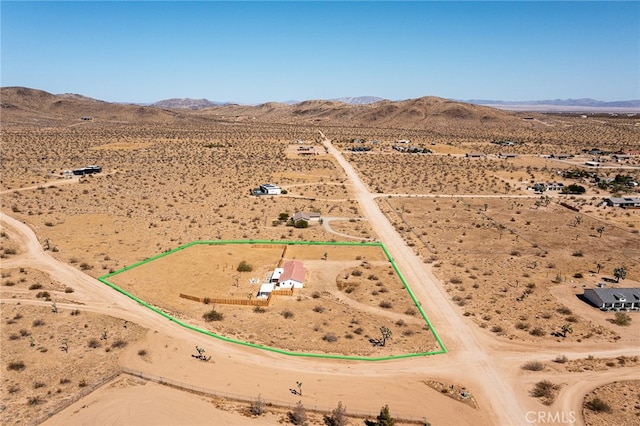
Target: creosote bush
(243, 266)
(598, 405)
(213, 315)
(533, 366)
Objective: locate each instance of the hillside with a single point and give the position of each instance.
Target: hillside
(39, 108)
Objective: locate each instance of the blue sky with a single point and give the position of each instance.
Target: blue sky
(254, 52)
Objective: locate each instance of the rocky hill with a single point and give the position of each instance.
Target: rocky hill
(35, 107)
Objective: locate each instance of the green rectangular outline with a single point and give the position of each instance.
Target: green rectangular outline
(443, 350)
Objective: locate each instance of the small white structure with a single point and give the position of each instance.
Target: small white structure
(275, 275)
(270, 189)
(265, 290)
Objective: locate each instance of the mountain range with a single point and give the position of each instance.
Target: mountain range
(24, 106)
(538, 105)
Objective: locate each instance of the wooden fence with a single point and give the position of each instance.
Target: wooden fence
(224, 301)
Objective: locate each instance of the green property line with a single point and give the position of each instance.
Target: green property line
(104, 280)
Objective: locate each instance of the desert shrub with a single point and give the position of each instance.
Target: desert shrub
(64, 381)
(545, 390)
(538, 332)
(287, 314)
(142, 352)
(16, 366)
(82, 383)
(85, 266)
(578, 275)
(356, 272)
(598, 405)
(455, 280)
(572, 318)
(385, 304)
(330, 337)
(358, 331)
(259, 310)
(622, 319)
(318, 308)
(93, 343)
(119, 343)
(299, 415)
(24, 332)
(35, 286)
(37, 323)
(315, 295)
(561, 359)
(37, 385)
(578, 253)
(522, 326)
(213, 315)
(9, 283)
(75, 312)
(533, 366)
(69, 290)
(564, 310)
(13, 389)
(243, 266)
(257, 406)
(43, 294)
(338, 416)
(410, 311)
(400, 323)
(33, 400)
(497, 329)
(206, 300)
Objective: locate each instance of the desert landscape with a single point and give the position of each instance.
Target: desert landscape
(496, 265)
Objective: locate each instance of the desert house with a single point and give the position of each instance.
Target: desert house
(89, 170)
(624, 202)
(307, 217)
(614, 298)
(267, 189)
(291, 275)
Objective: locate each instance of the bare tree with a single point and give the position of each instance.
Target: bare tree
(338, 416)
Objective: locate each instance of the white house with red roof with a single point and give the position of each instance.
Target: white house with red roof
(292, 275)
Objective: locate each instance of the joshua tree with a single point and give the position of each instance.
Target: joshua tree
(620, 273)
(54, 308)
(600, 231)
(566, 329)
(577, 221)
(598, 266)
(386, 334)
(299, 385)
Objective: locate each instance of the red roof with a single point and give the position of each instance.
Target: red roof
(293, 270)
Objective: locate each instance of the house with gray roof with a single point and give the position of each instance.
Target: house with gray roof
(624, 202)
(614, 298)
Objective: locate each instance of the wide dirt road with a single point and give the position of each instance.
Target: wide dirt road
(460, 338)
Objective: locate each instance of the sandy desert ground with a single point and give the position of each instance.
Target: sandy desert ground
(496, 268)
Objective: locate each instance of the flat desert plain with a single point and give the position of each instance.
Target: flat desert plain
(497, 268)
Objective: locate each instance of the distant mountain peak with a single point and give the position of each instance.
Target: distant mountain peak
(360, 100)
(186, 103)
